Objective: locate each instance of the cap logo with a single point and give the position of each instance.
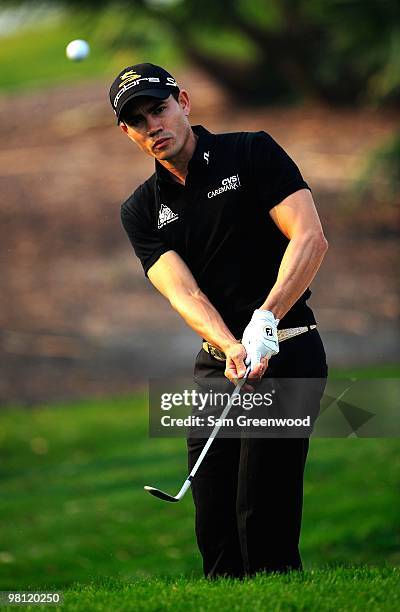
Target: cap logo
(128, 84)
(128, 76)
(171, 82)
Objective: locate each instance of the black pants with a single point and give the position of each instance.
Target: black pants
(248, 492)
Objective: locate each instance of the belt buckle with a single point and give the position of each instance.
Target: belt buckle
(215, 352)
(211, 349)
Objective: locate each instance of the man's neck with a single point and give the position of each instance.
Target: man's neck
(178, 166)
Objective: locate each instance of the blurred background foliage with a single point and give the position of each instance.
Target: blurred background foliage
(380, 179)
(344, 53)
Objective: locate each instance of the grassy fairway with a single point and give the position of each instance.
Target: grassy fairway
(333, 589)
(73, 504)
(73, 515)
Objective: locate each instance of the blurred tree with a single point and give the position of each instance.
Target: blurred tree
(380, 178)
(344, 52)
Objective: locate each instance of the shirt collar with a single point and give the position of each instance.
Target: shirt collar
(200, 160)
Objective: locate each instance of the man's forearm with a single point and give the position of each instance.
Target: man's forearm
(203, 318)
(299, 265)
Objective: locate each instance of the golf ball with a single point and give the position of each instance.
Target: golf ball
(77, 50)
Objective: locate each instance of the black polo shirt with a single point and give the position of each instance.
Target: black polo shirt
(218, 222)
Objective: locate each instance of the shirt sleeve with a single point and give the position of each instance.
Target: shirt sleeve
(146, 241)
(275, 174)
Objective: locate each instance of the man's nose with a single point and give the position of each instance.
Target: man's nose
(153, 125)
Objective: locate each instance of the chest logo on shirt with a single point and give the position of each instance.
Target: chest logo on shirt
(231, 182)
(166, 216)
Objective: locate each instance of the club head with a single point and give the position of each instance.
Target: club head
(160, 494)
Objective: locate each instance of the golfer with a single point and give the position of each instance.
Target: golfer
(227, 230)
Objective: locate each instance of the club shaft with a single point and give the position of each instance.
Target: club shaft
(217, 427)
(210, 440)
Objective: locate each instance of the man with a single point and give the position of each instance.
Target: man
(226, 229)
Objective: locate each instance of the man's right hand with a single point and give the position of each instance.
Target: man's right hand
(235, 365)
(236, 368)
(235, 355)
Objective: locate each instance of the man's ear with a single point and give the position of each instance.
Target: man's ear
(184, 101)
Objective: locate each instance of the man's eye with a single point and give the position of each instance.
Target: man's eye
(135, 122)
(159, 110)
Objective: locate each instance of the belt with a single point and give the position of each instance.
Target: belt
(283, 334)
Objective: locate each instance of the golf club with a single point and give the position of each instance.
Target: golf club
(171, 498)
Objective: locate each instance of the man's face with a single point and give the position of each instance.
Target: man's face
(159, 127)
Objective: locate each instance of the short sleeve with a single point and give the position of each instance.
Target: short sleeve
(146, 241)
(275, 174)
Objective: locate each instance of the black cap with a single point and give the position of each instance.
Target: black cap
(140, 80)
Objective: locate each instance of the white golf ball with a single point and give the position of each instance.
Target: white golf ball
(77, 50)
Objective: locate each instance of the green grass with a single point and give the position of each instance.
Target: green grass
(389, 370)
(72, 487)
(339, 588)
(73, 516)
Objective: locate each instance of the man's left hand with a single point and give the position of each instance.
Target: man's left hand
(260, 339)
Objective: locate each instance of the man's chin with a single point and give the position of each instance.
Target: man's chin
(166, 154)
(162, 155)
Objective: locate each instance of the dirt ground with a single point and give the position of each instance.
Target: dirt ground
(79, 319)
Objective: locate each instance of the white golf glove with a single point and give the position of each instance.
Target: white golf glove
(260, 338)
